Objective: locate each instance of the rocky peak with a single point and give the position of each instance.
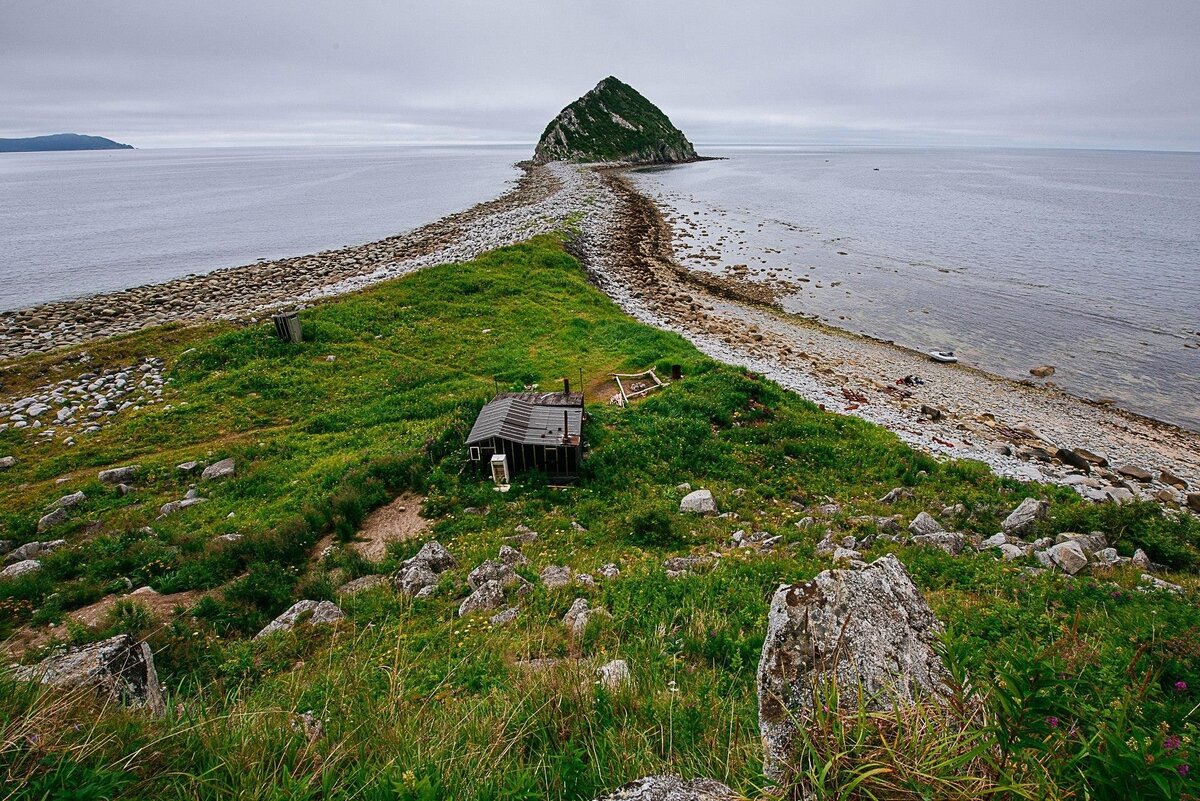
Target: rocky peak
(613, 122)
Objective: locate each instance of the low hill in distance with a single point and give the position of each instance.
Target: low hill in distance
(613, 122)
(63, 141)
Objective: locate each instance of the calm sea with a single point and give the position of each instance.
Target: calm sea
(1085, 260)
(80, 223)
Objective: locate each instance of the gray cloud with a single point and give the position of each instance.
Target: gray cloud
(1053, 72)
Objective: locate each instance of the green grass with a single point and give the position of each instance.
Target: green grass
(418, 704)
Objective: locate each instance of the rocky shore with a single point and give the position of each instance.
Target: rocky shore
(1030, 433)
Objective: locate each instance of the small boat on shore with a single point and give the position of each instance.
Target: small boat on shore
(943, 356)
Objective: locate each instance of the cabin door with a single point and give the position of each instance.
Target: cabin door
(552, 461)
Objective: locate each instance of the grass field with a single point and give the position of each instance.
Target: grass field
(1088, 687)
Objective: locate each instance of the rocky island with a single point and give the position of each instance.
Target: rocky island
(613, 122)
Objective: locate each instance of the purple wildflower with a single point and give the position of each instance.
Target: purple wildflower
(1181, 686)
(1172, 742)
(1183, 770)
(1052, 722)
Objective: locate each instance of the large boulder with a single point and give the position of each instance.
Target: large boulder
(924, 523)
(488, 596)
(313, 613)
(118, 670)
(21, 568)
(1069, 556)
(700, 502)
(1024, 516)
(418, 575)
(33, 550)
(671, 788)
(867, 628)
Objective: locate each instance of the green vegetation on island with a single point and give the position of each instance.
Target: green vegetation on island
(1082, 686)
(613, 122)
(64, 141)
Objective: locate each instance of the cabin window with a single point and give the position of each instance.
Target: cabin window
(474, 453)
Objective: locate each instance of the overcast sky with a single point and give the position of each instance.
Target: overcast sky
(1098, 73)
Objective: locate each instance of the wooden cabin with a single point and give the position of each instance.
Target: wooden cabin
(521, 431)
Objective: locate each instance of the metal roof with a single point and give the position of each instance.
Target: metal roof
(518, 419)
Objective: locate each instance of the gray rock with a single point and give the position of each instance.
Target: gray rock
(846, 555)
(21, 568)
(924, 523)
(1010, 552)
(609, 571)
(1090, 543)
(1150, 582)
(70, 501)
(7, 462)
(671, 788)
(118, 670)
(1069, 556)
(1172, 480)
(1107, 557)
(957, 510)
(1119, 495)
(1141, 560)
(118, 475)
(489, 595)
(994, 541)
(51, 520)
(312, 613)
(32, 550)
(868, 628)
(577, 617)
(363, 583)
(230, 537)
(555, 576)
(1023, 518)
(524, 534)
(679, 565)
(492, 570)
(415, 579)
(614, 675)
(948, 541)
(434, 556)
(505, 617)
(221, 469)
(187, 467)
(512, 557)
(1092, 458)
(699, 502)
(1193, 501)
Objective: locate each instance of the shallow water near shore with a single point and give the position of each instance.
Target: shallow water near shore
(83, 223)
(1085, 260)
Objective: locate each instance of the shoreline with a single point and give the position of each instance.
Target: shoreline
(625, 244)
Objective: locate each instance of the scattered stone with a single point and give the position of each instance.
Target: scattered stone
(948, 541)
(21, 568)
(512, 557)
(1072, 458)
(363, 583)
(221, 469)
(434, 556)
(308, 724)
(671, 788)
(614, 675)
(492, 570)
(118, 475)
(1025, 516)
(1141, 560)
(1136, 473)
(868, 628)
(418, 576)
(681, 565)
(1172, 480)
(231, 537)
(7, 462)
(1090, 543)
(312, 613)
(524, 534)
(505, 617)
(1150, 582)
(924, 523)
(1193, 501)
(187, 467)
(577, 617)
(119, 670)
(1107, 557)
(846, 555)
(32, 550)
(70, 501)
(684, 487)
(556, 576)
(699, 502)
(1068, 556)
(489, 595)
(1044, 371)
(957, 510)
(1010, 552)
(51, 520)
(1119, 495)
(609, 571)
(1092, 458)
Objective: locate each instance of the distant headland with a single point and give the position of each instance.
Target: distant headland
(63, 141)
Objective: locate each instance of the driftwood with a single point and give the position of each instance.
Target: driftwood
(626, 395)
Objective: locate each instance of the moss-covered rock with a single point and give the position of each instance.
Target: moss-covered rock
(613, 122)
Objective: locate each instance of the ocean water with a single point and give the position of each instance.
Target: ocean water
(1085, 260)
(81, 223)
